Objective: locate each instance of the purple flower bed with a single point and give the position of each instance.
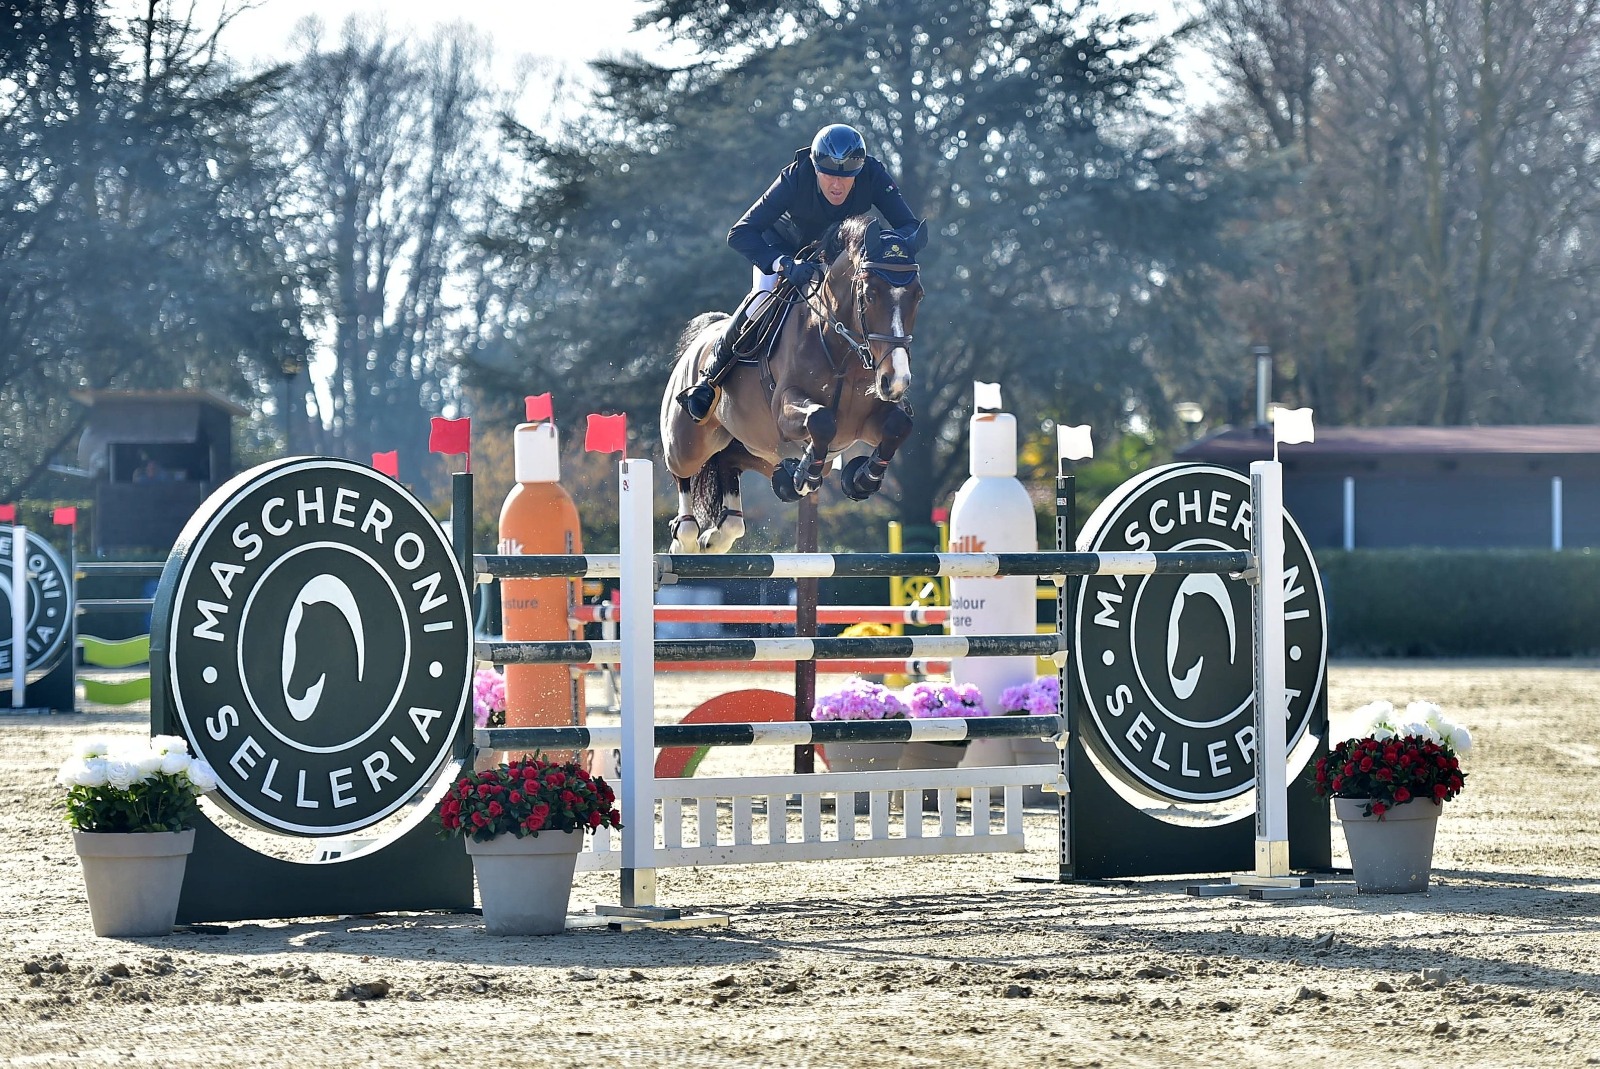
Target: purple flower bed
(928, 699)
(1039, 698)
(859, 699)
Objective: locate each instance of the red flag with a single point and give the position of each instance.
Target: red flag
(388, 463)
(65, 516)
(539, 407)
(607, 434)
(8, 514)
(450, 435)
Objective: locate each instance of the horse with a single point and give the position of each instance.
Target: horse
(836, 374)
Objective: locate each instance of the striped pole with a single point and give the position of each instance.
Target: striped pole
(864, 667)
(672, 567)
(775, 649)
(779, 733)
(606, 612)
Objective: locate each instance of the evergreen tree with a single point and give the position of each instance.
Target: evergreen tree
(1066, 230)
(137, 246)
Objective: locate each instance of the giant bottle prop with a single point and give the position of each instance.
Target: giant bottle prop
(539, 517)
(992, 514)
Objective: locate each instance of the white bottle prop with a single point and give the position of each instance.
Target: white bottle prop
(993, 514)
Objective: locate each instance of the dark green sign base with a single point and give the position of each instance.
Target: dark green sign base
(1108, 838)
(56, 690)
(227, 881)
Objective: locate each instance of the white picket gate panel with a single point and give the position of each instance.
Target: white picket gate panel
(726, 820)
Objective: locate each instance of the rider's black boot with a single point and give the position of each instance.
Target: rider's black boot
(699, 399)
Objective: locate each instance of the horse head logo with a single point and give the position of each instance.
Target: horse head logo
(319, 590)
(1206, 586)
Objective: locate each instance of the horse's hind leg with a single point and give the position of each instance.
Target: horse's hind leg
(863, 476)
(684, 529)
(729, 527)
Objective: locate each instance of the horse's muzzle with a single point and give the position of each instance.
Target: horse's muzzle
(894, 374)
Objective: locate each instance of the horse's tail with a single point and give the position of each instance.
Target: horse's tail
(705, 495)
(696, 325)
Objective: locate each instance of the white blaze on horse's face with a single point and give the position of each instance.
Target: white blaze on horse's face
(894, 366)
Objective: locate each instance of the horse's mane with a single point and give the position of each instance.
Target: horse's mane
(849, 236)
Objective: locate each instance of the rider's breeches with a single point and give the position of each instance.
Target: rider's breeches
(761, 285)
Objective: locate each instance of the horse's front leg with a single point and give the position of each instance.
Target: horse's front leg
(802, 419)
(863, 476)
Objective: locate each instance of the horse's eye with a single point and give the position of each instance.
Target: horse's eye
(868, 297)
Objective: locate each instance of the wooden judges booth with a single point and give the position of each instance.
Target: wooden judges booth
(155, 456)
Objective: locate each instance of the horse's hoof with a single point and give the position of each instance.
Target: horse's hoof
(783, 482)
(720, 539)
(856, 487)
(685, 534)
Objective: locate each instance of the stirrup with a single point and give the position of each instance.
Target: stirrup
(698, 392)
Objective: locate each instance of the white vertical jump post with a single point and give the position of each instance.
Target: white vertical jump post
(1272, 703)
(1271, 877)
(19, 616)
(638, 669)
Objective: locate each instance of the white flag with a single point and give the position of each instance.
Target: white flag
(986, 395)
(1291, 425)
(1073, 443)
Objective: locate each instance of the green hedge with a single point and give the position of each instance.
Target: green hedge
(1462, 603)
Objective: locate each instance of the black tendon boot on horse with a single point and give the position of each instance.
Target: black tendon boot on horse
(699, 399)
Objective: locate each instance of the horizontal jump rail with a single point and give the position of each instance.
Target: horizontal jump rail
(606, 612)
(866, 667)
(671, 567)
(88, 605)
(778, 649)
(781, 733)
(145, 569)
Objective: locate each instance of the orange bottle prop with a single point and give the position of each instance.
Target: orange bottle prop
(539, 517)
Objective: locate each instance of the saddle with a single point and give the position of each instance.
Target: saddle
(757, 337)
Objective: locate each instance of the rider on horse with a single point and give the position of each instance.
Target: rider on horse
(826, 184)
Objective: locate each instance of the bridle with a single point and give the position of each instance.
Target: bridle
(860, 344)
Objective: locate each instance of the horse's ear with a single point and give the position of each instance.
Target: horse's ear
(872, 240)
(919, 237)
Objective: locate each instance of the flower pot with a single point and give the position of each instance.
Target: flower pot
(865, 757)
(524, 884)
(133, 879)
(931, 755)
(1392, 855)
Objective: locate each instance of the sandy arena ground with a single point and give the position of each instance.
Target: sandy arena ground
(917, 962)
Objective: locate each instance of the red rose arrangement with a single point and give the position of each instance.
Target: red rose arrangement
(524, 798)
(1398, 760)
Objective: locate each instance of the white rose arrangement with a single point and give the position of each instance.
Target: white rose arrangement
(134, 784)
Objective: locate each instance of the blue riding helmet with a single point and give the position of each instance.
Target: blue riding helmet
(838, 150)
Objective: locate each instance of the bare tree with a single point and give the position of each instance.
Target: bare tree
(394, 150)
(1427, 259)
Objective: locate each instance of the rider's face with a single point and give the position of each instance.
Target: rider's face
(835, 187)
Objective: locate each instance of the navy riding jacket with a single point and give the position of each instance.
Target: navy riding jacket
(794, 199)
